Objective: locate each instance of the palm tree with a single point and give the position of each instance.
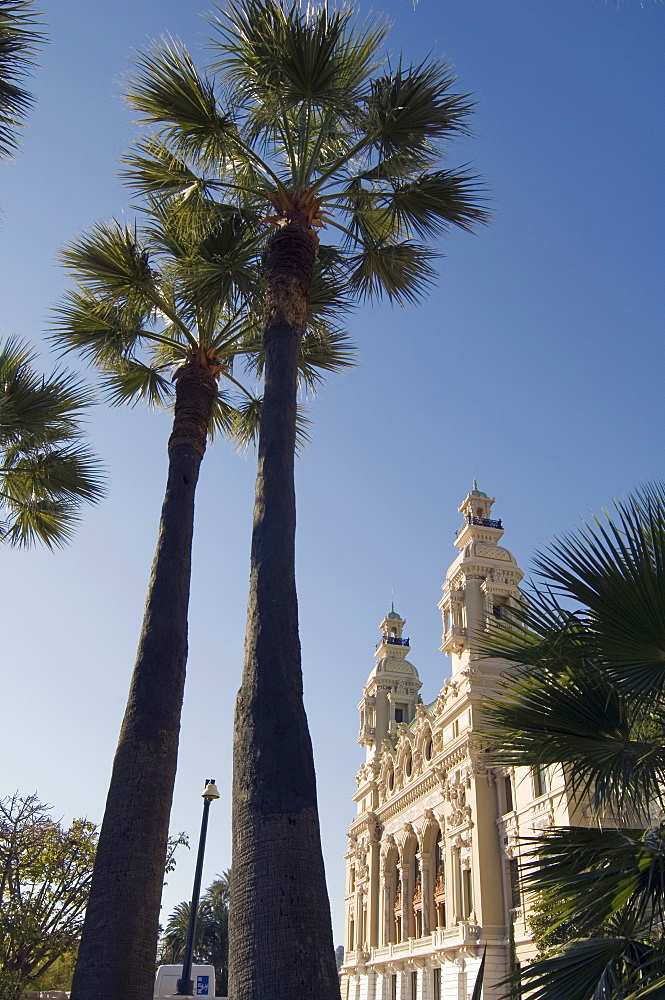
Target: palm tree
(587, 690)
(211, 946)
(46, 473)
(20, 40)
(147, 320)
(315, 131)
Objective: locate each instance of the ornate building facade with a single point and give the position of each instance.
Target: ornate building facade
(433, 861)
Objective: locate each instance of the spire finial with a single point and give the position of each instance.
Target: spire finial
(475, 484)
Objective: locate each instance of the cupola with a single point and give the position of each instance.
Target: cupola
(390, 695)
(482, 583)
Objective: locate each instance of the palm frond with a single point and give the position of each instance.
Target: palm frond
(50, 522)
(599, 968)
(70, 473)
(245, 423)
(402, 271)
(170, 93)
(587, 876)
(225, 421)
(480, 975)
(153, 170)
(615, 566)
(579, 719)
(42, 488)
(307, 56)
(222, 267)
(133, 381)
(432, 203)
(99, 329)
(324, 350)
(410, 110)
(37, 410)
(303, 424)
(111, 260)
(20, 40)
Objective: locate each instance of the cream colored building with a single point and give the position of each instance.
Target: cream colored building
(433, 866)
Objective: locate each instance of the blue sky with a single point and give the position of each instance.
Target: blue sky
(535, 365)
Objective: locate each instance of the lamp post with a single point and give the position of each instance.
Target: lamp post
(185, 985)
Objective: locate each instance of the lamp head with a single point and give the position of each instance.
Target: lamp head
(210, 791)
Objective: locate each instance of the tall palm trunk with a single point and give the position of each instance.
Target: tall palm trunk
(280, 945)
(116, 958)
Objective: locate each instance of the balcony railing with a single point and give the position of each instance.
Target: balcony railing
(482, 522)
(394, 640)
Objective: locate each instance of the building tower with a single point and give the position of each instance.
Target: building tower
(433, 861)
(481, 584)
(391, 693)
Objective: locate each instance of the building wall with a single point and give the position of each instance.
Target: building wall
(434, 856)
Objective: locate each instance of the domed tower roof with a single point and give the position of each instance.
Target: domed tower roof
(475, 492)
(483, 581)
(391, 651)
(390, 696)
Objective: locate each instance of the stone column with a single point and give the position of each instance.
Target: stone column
(457, 884)
(388, 890)
(407, 901)
(373, 895)
(427, 877)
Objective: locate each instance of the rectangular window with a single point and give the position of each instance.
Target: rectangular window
(455, 729)
(540, 780)
(393, 986)
(514, 871)
(467, 892)
(508, 786)
(399, 715)
(437, 984)
(414, 986)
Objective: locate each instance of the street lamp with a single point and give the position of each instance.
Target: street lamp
(185, 985)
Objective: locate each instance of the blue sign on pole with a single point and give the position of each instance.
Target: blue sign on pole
(202, 984)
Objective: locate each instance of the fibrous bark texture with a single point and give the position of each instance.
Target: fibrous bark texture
(116, 958)
(281, 944)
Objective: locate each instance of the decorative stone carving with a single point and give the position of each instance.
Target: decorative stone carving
(374, 827)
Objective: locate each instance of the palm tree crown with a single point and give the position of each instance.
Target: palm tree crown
(46, 472)
(314, 126)
(149, 300)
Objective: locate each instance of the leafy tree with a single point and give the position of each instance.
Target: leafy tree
(58, 977)
(20, 40)
(313, 130)
(147, 314)
(45, 872)
(211, 944)
(587, 690)
(46, 473)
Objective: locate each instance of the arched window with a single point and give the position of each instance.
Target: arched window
(427, 748)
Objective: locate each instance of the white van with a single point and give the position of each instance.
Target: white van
(203, 977)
